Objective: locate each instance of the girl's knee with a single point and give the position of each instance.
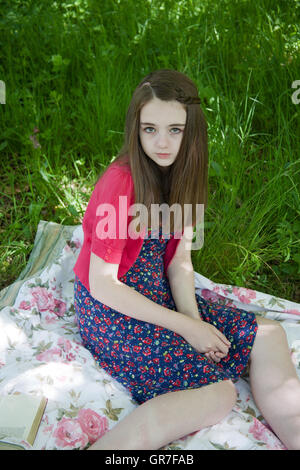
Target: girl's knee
(230, 393)
(268, 327)
(227, 395)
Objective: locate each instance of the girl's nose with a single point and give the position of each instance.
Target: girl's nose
(162, 139)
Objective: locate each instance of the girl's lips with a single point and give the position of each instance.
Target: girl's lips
(163, 155)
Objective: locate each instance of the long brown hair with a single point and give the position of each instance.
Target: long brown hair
(185, 181)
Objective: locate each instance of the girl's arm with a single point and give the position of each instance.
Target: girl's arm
(105, 287)
(182, 283)
(181, 279)
(181, 276)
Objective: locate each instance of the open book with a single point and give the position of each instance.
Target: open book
(20, 417)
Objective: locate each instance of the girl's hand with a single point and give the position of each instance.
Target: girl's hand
(216, 357)
(205, 338)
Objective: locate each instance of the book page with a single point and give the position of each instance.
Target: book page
(17, 415)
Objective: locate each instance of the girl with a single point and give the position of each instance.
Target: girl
(137, 310)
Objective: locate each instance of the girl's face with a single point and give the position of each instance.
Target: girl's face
(161, 130)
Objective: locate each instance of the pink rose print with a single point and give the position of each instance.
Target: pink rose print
(43, 299)
(60, 307)
(92, 424)
(210, 295)
(88, 427)
(260, 432)
(25, 305)
(50, 319)
(62, 352)
(64, 344)
(244, 295)
(49, 355)
(69, 434)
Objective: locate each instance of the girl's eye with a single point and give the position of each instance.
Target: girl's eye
(176, 128)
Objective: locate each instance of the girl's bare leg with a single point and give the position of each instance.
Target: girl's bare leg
(274, 382)
(165, 418)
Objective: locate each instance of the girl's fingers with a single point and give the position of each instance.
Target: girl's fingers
(220, 355)
(213, 356)
(216, 356)
(223, 338)
(223, 348)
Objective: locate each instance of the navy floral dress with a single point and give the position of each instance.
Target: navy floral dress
(150, 360)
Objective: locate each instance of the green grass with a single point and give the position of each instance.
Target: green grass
(70, 69)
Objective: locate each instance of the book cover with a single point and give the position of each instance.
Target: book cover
(20, 418)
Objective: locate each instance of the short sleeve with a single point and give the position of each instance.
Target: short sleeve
(107, 214)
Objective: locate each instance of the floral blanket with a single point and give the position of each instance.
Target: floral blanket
(41, 354)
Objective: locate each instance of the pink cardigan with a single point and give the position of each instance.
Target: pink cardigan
(123, 250)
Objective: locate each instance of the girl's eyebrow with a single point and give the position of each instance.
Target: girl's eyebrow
(151, 124)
